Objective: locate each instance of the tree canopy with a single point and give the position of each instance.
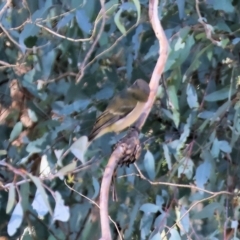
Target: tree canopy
(61, 62)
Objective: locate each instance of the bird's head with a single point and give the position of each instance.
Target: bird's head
(140, 90)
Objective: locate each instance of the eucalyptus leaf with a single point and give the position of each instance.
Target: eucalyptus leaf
(96, 187)
(203, 172)
(66, 169)
(65, 20)
(41, 191)
(192, 97)
(83, 21)
(181, 5)
(15, 220)
(138, 7)
(79, 148)
(11, 198)
(174, 234)
(39, 204)
(117, 20)
(221, 94)
(223, 5)
(149, 163)
(149, 208)
(167, 156)
(61, 212)
(16, 131)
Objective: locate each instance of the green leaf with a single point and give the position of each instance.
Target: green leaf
(173, 98)
(149, 208)
(146, 225)
(138, 7)
(185, 221)
(16, 131)
(160, 201)
(186, 51)
(223, 5)
(66, 169)
(61, 212)
(195, 63)
(39, 204)
(41, 189)
(209, 211)
(38, 145)
(29, 30)
(104, 93)
(186, 167)
(65, 20)
(3, 152)
(160, 222)
(42, 12)
(220, 111)
(110, 8)
(133, 215)
(167, 156)
(181, 8)
(78, 105)
(117, 20)
(225, 146)
(206, 115)
(83, 21)
(47, 62)
(129, 66)
(180, 44)
(174, 234)
(96, 187)
(32, 115)
(203, 173)
(149, 164)
(79, 148)
(192, 97)
(136, 41)
(153, 51)
(174, 105)
(24, 192)
(11, 198)
(157, 236)
(221, 94)
(15, 220)
(57, 233)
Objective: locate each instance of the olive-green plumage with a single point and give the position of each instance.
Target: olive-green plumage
(123, 110)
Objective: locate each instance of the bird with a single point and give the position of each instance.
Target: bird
(122, 111)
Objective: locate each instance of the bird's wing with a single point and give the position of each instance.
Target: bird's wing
(112, 114)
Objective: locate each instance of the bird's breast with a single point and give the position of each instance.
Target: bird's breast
(129, 119)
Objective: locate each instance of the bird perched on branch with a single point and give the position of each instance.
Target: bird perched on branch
(122, 111)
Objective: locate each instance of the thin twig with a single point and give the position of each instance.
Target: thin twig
(7, 65)
(179, 185)
(82, 67)
(110, 48)
(72, 74)
(207, 27)
(4, 8)
(98, 18)
(94, 203)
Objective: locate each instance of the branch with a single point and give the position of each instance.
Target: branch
(88, 55)
(159, 68)
(122, 149)
(207, 27)
(104, 192)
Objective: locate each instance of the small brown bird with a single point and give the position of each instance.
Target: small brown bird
(122, 111)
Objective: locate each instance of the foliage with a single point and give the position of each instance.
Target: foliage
(191, 136)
